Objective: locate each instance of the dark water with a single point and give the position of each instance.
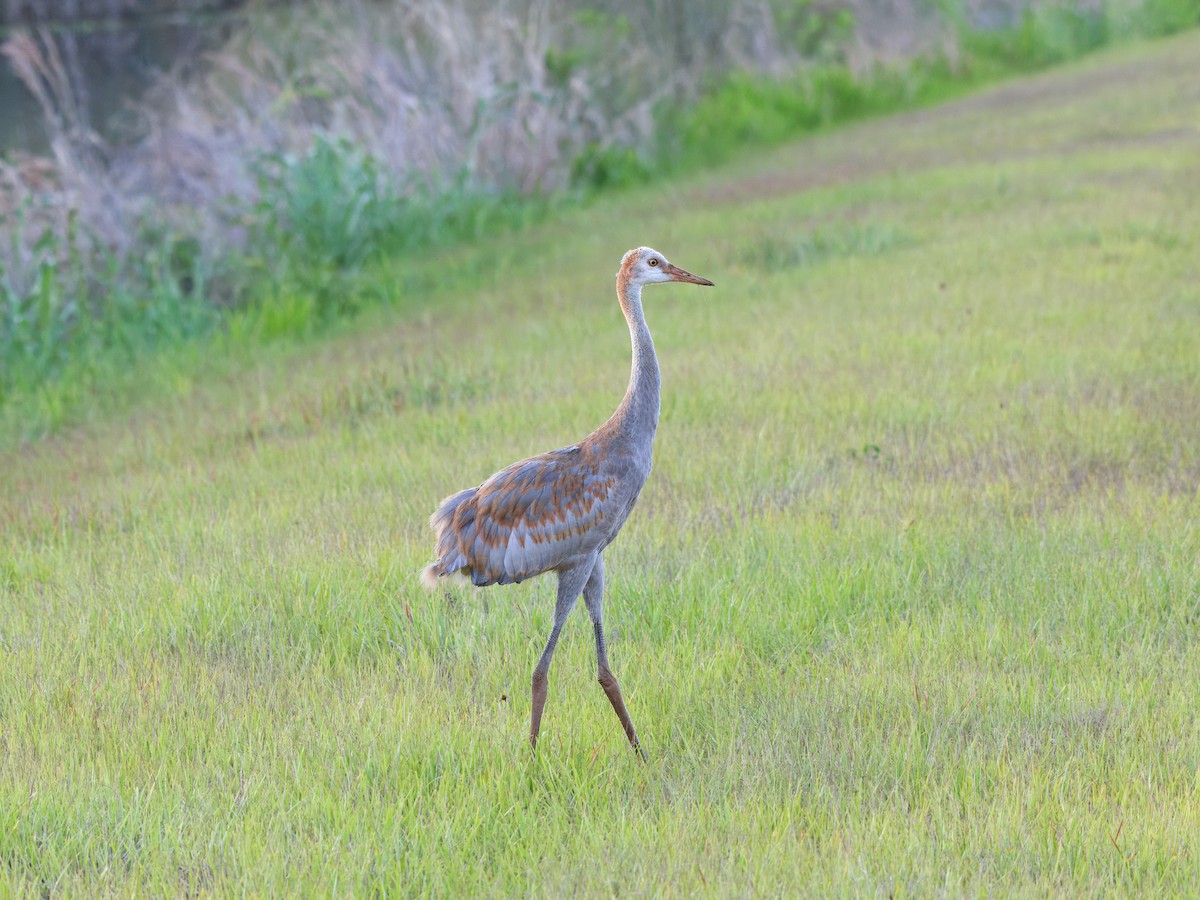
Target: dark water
(110, 66)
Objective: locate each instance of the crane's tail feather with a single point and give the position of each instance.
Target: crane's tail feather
(444, 514)
(429, 577)
(450, 558)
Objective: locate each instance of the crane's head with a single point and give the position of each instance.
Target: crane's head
(647, 266)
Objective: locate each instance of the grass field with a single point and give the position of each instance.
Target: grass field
(910, 605)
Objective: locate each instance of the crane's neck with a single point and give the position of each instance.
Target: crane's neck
(637, 416)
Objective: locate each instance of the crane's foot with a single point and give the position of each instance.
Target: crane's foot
(639, 752)
(612, 690)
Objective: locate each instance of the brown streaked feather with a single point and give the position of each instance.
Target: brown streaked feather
(528, 518)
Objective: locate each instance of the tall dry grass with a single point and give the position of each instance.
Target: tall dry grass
(488, 96)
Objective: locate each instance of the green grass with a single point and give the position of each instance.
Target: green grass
(910, 605)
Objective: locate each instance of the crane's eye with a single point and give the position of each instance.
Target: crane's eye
(653, 261)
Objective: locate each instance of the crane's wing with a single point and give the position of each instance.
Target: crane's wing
(526, 519)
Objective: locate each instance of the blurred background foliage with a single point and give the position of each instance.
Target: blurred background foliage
(267, 145)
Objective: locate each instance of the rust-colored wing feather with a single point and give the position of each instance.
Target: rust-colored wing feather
(529, 518)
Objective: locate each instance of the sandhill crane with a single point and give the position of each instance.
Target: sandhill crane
(557, 512)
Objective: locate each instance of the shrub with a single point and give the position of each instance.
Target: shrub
(74, 302)
(331, 206)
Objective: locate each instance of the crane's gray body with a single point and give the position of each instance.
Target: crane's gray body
(559, 509)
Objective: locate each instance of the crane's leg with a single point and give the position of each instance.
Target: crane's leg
(570, 583)
(593, 599)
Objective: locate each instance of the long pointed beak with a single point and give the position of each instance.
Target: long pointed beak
(678, 274)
